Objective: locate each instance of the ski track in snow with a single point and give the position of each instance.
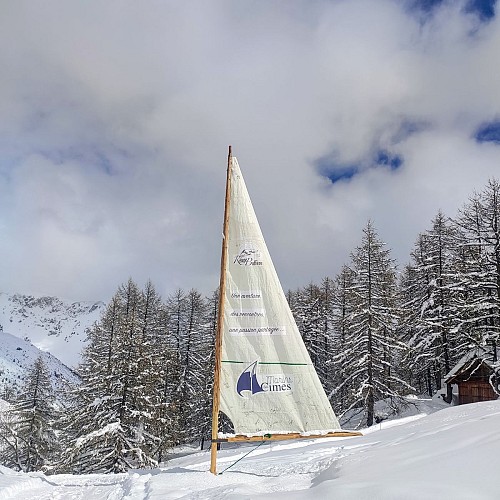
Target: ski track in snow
(66, 487)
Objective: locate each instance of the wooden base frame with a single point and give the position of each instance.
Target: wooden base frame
(285, 437)
(273, 437)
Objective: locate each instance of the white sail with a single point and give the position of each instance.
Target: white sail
(268, 384)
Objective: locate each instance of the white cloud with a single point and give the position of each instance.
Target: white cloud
(116, 119)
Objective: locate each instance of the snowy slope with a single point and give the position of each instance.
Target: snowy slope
(4, 405)
(49, 323)
(17, 357)
(450, 454)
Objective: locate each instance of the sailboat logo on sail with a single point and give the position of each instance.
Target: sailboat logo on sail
(247, 381)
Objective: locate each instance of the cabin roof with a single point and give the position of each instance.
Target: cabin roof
(477, 358)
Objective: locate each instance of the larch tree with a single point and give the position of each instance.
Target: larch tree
(208, 366)
(434, 284)
(155, 425)
(27, 431)
(479, 223)
(196, 354)
(372, 348)
(413, 293)
(326, 341)
(310, 316)
(342, 308)
(109, 412)
(191, 323)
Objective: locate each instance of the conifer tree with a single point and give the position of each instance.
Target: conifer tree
(479, 223)
(205, 403)
(432, 303)
(191, 329)
(372, 347)
(413, 293)
(326, 341)
(309, 318)
(340, 364)
(109, 413)
(154, 425)
(27, 430)
(165, 398)
(312, 309)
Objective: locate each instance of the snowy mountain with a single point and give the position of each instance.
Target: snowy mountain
(51, 324)
(16, 360)
(449, 454)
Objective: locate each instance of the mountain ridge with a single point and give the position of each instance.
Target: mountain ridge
(50, 323)
(17, 357)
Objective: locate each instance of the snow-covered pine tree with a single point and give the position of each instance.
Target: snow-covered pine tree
(479, 248)
(339, 364)
(165, 400)
(88, 407)
(176, 318)
(412, 294)
(206, 399)
(108, 419)
(372, 347)
(310, 315)
(155, 426)
(293, 299)
(28, 441)
(192, 331)
(326, 372)
(434, 309)
(415, 293)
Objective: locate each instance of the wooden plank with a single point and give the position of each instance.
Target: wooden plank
(284, 437)
(220, 319)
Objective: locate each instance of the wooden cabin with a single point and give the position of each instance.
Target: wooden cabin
(474, 376)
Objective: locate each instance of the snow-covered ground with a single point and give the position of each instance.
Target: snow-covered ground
(449, 454)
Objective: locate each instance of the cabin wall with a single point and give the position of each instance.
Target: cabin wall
(474, 391)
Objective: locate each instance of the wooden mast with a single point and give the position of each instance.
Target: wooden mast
(220, 322)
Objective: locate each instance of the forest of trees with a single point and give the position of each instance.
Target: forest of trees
(374, 333)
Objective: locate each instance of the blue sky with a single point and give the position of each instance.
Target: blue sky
(116, 119)
(485, 9)
(336, 172)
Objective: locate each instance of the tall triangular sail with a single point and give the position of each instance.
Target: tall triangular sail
(268, 384)
(264, 380)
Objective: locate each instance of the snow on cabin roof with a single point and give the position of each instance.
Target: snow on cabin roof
(481, 352)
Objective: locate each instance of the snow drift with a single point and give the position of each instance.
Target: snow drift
(450, 454)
